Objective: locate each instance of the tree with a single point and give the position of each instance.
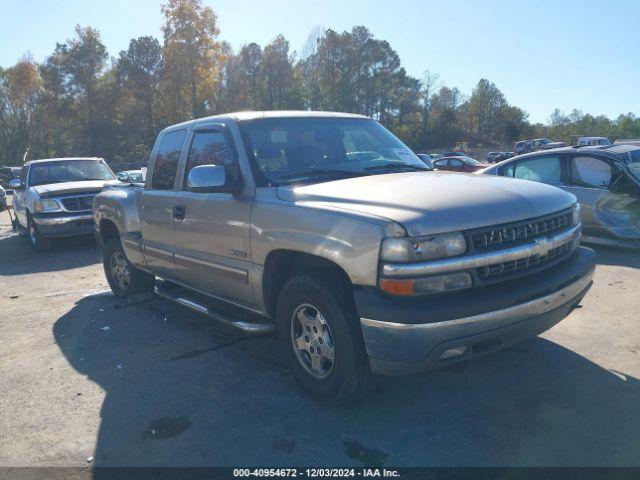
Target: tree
(20, 92)
(192, 59)
(139, 70)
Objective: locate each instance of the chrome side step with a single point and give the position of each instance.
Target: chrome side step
(179, 295)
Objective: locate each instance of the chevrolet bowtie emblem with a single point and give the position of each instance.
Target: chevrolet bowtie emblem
(541, 246)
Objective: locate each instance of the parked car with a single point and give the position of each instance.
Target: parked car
(503, 156)
(526, 146)
(7, 174)
(491, 156)
(328, 229)
(592, 141)
(426, 159)
(459, 164)
(130, 176)
(605, 180)
(52, 197)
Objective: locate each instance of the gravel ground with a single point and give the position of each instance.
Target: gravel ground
(84, 375)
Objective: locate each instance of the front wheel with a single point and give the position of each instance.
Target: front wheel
(320, 333)
(38, 241)
(124, 279)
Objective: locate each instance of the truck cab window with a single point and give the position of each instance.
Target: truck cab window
(167, 157)
(590, 172)
(210, 147)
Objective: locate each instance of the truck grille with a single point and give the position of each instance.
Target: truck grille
(520, 232)
(74, 204)
(522, 265)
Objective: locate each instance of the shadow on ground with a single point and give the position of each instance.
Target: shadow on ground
(65, 254)
(183, 391)
(617, 256)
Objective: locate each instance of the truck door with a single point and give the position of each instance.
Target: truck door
(158, 202)
(211, 230)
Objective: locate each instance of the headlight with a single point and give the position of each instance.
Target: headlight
(46, 206)
(423, 248)
(576, 214)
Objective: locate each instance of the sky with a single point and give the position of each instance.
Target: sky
(542, 55)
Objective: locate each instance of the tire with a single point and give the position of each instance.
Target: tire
(39, 242)
(124, 279)
(345, 379)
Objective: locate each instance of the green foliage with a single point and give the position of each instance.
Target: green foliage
(76, 103)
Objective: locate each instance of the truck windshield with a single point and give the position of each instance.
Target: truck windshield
(289, 150)
(634, 163)
(61, 171)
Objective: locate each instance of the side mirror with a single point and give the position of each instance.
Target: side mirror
(16, 184)
(209, 178)
(123, 177)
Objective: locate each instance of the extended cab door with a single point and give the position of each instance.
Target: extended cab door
(158, 202)
(211, 234)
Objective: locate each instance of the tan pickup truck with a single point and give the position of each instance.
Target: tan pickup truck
(326, 228)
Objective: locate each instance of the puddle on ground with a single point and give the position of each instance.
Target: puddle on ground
(365, 455)
(167, 427)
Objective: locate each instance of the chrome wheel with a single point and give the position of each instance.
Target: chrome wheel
(312, 341)
(120, 270)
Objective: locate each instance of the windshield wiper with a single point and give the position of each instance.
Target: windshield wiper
(397, 166)
(320, 173)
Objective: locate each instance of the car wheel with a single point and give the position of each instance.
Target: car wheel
(322, 340)
(38, 241)
(124, 279)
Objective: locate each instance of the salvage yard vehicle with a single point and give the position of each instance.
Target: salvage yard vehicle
(605, 180)
(130, 176)
(459, 164)
(52, 197)
(328, 229)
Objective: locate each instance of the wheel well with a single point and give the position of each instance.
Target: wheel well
(108, 230)
(281, 265)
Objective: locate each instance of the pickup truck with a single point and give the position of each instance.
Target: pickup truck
(52, 197)
(329, 230)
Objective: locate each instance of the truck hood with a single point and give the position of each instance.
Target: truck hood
(66, 188)
(434, 202)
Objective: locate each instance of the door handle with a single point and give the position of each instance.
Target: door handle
(178, 212)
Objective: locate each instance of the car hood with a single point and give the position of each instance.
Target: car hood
(66, 188)
(433, 202)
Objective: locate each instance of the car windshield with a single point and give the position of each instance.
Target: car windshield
(290, 150)
(135, 177)
(68, 171)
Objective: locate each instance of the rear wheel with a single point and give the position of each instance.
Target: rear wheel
(124, 279)
(38, 241)
(320, 333)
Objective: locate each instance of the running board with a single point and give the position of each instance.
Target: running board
(178, 295)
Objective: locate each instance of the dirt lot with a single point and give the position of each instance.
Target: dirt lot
(82, 375)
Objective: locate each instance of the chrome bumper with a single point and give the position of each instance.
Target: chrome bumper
(62, 220)
(539, 246)
(399, 348)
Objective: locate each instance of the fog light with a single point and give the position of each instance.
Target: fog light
(426, 286)
(453, 352)
(442, 283)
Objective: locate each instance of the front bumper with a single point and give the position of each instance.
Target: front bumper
(64, 224)
(404, 336)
